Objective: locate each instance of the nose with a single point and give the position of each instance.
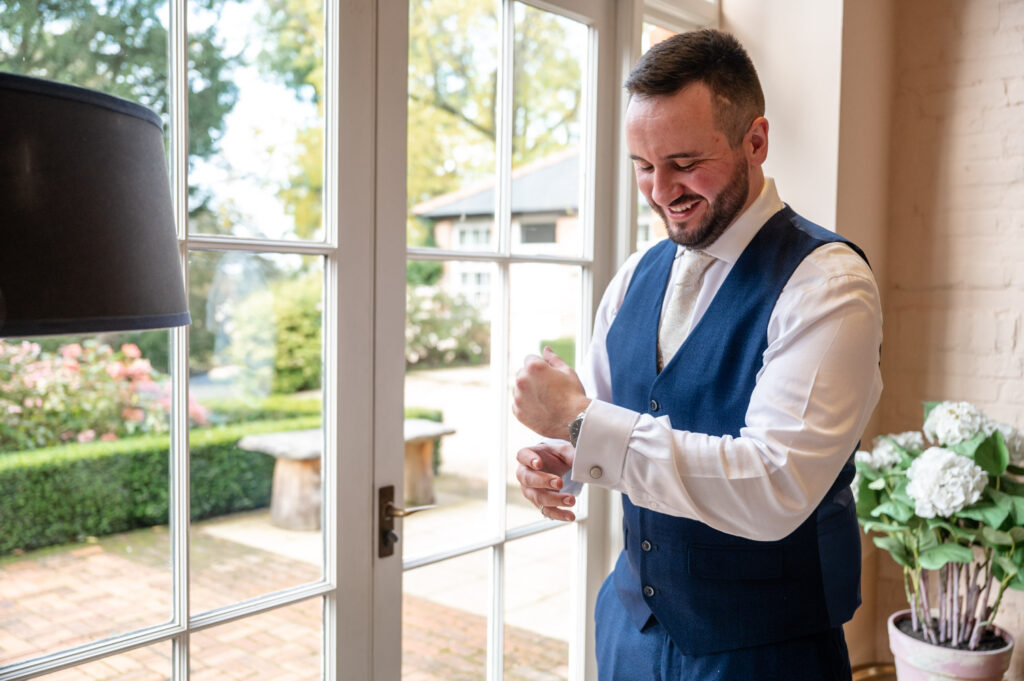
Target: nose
(665, 187)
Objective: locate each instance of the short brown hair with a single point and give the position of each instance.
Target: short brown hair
(712, 57)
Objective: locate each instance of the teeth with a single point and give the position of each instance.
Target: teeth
(683, 209)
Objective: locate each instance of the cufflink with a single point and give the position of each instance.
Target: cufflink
(596, 472)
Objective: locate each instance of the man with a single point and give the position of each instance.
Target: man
(732, 370)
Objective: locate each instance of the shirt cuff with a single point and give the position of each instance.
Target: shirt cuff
(603, 443)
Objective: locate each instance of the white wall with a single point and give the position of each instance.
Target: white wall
(796, 46)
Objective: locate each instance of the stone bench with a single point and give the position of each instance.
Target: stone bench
(295, 494)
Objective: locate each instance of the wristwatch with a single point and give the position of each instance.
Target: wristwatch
(575, 426)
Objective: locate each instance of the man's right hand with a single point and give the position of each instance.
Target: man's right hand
(540, 472)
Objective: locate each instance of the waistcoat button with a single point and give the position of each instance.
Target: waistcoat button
(648, 591)
(654, 405)
(645, 545)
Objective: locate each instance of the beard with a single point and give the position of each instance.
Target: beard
(720, 212)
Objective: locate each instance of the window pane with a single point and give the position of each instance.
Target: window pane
(261, 175)
(444, 619)
(538, 616)
(550, 55)
(451, 408)
(84, 483)
(285, 643)
(653, 34)
(544, 310)
(255, 368)
(453, 70)
(116, 48)
(142, 664)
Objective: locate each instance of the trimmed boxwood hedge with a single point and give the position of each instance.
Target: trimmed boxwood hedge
(64, 494)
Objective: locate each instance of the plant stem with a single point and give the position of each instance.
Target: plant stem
(929, 625)
(955, 636)
(942, 605)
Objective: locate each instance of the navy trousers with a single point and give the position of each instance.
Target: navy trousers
(625, 654)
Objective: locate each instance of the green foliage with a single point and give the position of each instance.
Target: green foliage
(442, 330)
(270, 408)
(279, 328)
(986, 533)
(119, 47)
(64, 494)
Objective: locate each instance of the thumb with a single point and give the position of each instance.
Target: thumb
(553, 360)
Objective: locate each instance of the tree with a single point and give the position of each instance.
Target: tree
(118, 47)
(453, 80)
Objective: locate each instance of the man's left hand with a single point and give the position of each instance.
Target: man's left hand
(548, 395)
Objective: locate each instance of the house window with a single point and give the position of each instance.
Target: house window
(539, 233)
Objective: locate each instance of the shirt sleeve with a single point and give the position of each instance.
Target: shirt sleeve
(817, 387)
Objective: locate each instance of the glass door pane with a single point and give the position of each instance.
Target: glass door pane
(84, 461)
(255, 457)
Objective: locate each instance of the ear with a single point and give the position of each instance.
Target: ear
(755, 142)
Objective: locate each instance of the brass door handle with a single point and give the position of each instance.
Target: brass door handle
(386, 514)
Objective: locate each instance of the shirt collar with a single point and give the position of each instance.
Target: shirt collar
(735, 238)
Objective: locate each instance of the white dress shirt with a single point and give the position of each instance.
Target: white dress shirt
(815, 391)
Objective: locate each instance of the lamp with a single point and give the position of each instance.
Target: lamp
(87, 239)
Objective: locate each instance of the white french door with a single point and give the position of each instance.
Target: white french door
(504, 132)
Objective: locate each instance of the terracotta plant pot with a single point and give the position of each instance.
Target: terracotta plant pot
(920, 661)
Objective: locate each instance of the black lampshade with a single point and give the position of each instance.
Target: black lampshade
(87, 240)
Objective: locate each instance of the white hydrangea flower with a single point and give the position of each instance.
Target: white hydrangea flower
(1011, 436)
(884, 454)
(950, 423)
(942, 482)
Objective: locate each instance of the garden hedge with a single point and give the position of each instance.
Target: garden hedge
(64, 494)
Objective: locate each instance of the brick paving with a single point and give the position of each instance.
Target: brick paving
(61, 597)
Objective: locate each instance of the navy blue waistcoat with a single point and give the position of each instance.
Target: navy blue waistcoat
(713, 591)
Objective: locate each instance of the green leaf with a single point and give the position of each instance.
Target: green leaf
(969, 448)
(895, 548)
(1017, 534)
(877, 485)
(866, 471)
(926, 540)
(900, 493)
(876, 526)
(992, 455)
(1001, 499)
(900, 512)
(933, 559)
(928, 406)
(1007, 566)
(988, 514)
(996, 538)
(1016, 470)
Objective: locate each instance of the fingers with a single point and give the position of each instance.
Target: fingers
(543, 489)
(552, 358)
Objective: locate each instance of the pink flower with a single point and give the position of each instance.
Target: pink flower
(87, 436)
(13, 409)
(132, 414)
(131, 350)
(71, 351)
(114, 369)
(139, 370)
(108, 437)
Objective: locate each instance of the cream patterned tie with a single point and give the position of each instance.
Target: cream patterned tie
(675, 325)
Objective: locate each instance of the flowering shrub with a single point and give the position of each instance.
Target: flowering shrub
(951, 515)
(83, 392)
(442, 330)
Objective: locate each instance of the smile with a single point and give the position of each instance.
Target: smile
(682, 211)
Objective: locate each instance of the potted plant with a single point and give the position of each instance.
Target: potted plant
(948, 506)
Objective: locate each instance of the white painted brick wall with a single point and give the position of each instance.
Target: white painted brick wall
(955, 299)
